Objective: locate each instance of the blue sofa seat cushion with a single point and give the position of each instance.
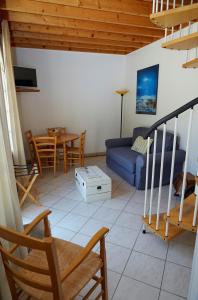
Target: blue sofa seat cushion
(125, 157)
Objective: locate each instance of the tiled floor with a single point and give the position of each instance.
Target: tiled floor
(140, 267)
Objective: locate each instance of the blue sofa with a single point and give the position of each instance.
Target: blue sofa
(131, 165)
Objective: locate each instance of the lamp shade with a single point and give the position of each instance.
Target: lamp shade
(121, 92)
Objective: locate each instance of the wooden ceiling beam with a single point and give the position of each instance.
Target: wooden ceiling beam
(63, 48)
(70, 32)
(63, 38)
(79, 24)
(135, 7)
(69, 44)
(63, 11)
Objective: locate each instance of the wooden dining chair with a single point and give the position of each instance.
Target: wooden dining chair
(29, 136)
(57, 131)
(53, 269)
(46, 152)
(75, 155)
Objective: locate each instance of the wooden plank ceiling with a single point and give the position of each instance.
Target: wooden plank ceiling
(102, 26)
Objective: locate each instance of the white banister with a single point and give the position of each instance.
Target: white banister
(172, 173)
(161, 8)
(185, 165)
(172, 32)
(189, 27)
(165, 34)
(153, 9)
(167, 4)
(180, 30)
(153, 177)
(196, 205)
(174, 3)
(157, 5)
(147, 175)
(161, 177)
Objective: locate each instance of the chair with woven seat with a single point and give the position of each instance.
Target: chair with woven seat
(53, 269)
(46, 152)
(29, 136)
(57, 131)
(75, 155)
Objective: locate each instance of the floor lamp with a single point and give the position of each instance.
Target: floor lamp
(121, 93)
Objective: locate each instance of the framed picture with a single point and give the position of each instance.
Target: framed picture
(147, 87)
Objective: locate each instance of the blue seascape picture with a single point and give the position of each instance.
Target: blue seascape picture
(147, 86)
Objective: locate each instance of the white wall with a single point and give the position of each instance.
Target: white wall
(176, 87)
(76, 91)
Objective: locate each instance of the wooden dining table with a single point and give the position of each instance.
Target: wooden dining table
(63, 139)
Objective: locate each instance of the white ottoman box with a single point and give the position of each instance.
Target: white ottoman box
(93, 183)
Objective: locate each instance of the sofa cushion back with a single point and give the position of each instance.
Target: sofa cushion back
(141, 131)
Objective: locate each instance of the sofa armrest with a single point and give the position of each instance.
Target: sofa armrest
(119, 142)
(141, 167)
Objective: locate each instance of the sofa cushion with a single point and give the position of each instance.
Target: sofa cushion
(140, 145)
(125, 157)
(141, 131)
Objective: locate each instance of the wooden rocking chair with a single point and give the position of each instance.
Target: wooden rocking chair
(53, 269)
(26, 176)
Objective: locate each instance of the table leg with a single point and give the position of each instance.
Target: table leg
(72, 145)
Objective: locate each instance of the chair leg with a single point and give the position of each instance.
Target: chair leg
(104, 270)
(83, 159)
(54, 166)
(40, 167)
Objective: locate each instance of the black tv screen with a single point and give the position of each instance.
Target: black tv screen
(25, 77)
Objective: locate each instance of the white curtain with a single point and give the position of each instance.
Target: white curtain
(11, 98)
(10, 214)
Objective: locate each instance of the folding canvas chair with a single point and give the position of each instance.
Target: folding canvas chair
(25, 178)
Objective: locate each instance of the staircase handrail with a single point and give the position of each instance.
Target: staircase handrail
(170, 116)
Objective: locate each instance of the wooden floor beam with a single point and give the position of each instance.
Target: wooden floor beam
(63, 11)
(70, 45)
(63, 38)
(78, 24)
(64, 48)
(138, 36)
(135, 7)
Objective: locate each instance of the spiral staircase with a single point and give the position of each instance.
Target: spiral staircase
(179, 20)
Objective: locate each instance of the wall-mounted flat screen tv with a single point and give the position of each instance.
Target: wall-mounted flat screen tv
(25, 77)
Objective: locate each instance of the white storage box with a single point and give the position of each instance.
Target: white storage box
(93, 183)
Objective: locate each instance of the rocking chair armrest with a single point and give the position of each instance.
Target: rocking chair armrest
(99, 236)
(33, 224)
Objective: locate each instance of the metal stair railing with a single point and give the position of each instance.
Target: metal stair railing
(163, 121)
